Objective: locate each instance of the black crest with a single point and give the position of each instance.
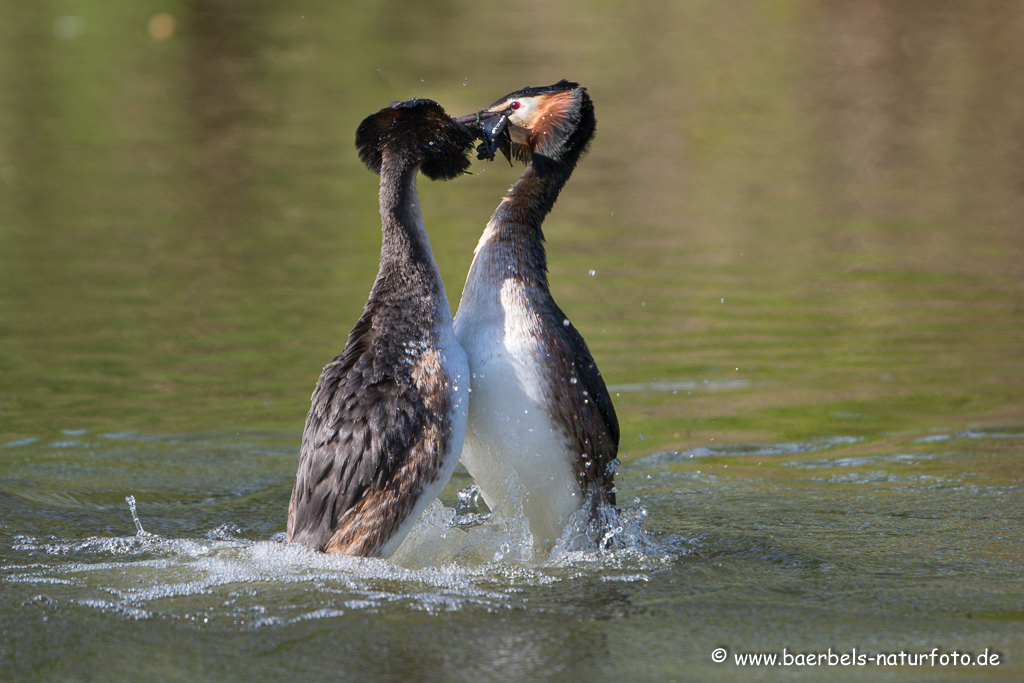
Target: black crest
(533, 91)
(422, 133)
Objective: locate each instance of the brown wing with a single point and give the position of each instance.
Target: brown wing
(582, 405)
(376, 435)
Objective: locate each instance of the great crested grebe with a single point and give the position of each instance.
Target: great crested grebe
(388, 415)
(539, 406)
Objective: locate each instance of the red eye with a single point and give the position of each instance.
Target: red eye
(514, 105)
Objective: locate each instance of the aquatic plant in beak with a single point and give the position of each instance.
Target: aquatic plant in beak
(491, 128)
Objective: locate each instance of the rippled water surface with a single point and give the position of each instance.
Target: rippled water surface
(796, 249)
(911, 544)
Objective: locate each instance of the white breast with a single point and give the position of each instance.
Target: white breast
(510, 427)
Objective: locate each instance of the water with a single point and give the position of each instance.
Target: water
(752, 547)
(794, 249)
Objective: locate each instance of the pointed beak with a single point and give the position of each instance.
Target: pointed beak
(491, 127)
(476, 117)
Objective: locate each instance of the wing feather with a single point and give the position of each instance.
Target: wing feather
(582, 405)
(376, 435)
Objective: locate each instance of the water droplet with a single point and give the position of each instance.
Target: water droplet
(138, 524)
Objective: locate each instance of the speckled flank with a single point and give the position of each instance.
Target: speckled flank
(426, 372)
(366, 528)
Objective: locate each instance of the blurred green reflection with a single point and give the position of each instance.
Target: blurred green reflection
(814, 208)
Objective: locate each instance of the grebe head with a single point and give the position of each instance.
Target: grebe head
(422, 132)
(545, 125)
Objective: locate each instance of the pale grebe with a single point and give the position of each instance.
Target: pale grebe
(539, 406)
(388, 415)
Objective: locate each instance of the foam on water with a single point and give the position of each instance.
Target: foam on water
(440, 567)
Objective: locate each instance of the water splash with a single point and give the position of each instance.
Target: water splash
(139, 531)
(453, 559)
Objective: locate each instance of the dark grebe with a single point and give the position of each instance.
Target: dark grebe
(388, 415)
(539, 406)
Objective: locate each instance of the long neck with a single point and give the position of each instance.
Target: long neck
(407, 264)
(515, 230)
(532, 197)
